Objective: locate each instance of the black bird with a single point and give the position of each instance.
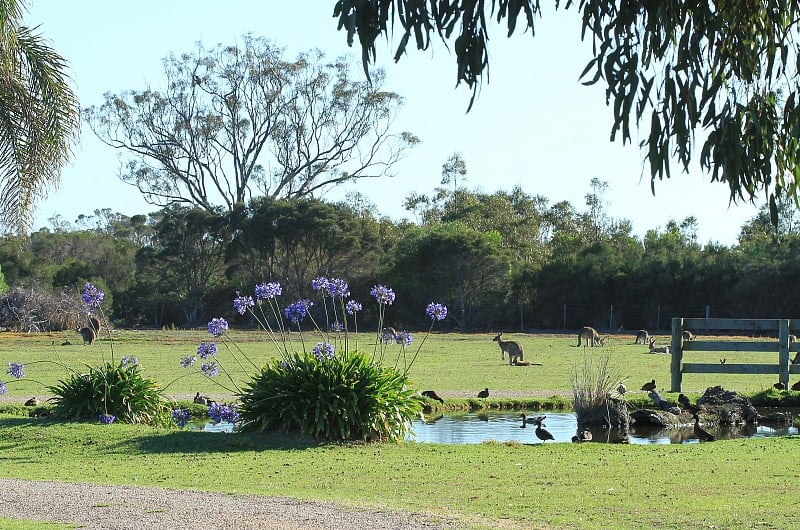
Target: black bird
(202, 400)
(702, 434)
(685, 404)
(582, 436)
(779, 386)
(622, 439)
(483, 394)
(196, 80)
(32, 402)
(533, 421)
(542, 434)
(723, 360)
(796, 386)
(432, 395)
(649, 386)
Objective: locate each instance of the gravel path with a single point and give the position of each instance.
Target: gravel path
(132, 508)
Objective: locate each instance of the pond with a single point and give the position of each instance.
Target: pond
(475, 428)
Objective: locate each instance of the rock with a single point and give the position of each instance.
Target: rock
(729, 407)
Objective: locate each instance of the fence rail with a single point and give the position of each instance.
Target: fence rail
(782, 345)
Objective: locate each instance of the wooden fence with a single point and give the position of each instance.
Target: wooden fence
(700, 326)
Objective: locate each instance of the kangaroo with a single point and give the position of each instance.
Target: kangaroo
(513, 349)
(591, 337)
(660, 349)
(643, 337)
(688, 335)
(87, 334)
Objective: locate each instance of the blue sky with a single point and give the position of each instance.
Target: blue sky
(533, 125)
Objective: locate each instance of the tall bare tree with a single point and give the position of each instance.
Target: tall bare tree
(39, 117)
(236, 121)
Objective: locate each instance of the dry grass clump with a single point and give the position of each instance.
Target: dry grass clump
(598, 393)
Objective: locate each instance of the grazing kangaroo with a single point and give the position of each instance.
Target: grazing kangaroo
(660, 349)
(591, 337)
(87, 334)
(513, 349)
(643, 337)
(688, 335)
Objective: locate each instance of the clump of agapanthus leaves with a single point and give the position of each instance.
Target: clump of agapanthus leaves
(106, 393)
(327, 389)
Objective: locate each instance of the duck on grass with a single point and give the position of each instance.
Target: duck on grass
(331, 390)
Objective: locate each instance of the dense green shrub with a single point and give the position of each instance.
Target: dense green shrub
(337, 398)
(116, 390)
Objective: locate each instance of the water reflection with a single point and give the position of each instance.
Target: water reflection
(474, 428)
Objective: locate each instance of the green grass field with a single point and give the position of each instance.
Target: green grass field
(725, 484)
(447, 363)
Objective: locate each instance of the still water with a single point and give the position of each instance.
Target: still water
(475, 428)
(505, 427)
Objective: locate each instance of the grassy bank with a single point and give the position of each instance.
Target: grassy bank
(725, 484)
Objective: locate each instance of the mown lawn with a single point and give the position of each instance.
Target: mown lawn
(725, 484)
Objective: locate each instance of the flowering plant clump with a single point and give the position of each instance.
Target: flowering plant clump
(326, 389)
(109, 392)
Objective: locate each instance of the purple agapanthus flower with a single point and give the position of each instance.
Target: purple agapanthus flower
(267, 290)
(181, 417)
(403, 338)
(210, 369)
(219, 412)
(207, 349)
(3, 388)
(243, 303)
(323, 350)
(218, 326)
(91, 295)
(297, 311)
(436, 311)
(352, 307)
(338, 288)
(320, 283)
(188, 361)
(383, 294)
(106, 419)
(336, 327)
(16, 370)
(129, 361)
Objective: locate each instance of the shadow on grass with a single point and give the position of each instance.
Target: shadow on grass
(198, 442)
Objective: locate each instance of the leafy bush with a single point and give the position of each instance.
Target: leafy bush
(116, 390)
(340, 398)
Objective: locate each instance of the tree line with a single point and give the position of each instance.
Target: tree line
(503, 260)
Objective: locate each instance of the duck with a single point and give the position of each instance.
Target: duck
(779, 386)
(622, 439)
(533, 421)
(702, 434)
(685, 404)
(796, 386)
(202, 400)
(432, 395)
(542, 433)
(649, 386)
(32, 402)
(483, 394)
(584, 435)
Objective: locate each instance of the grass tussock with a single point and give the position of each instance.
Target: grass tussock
(594, 382)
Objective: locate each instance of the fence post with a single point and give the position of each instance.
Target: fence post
(564, 323)
(677, 354)
(708, 311)
(783, 352)
(611, 317)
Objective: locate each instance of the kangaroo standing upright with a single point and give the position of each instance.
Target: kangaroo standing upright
(591, 336)
(513, 349)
